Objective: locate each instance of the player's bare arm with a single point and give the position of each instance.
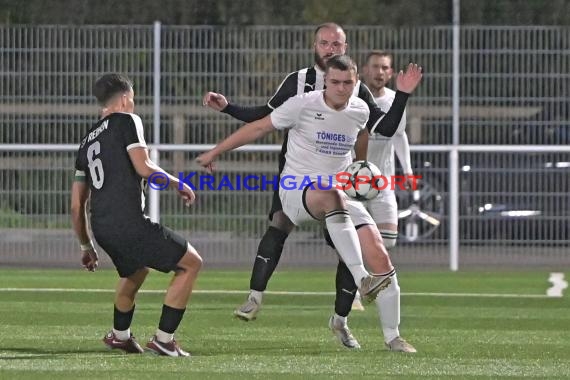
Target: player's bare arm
(145, 167)
(79, 196)
(361, 145)
(402, 149)
(246, 134)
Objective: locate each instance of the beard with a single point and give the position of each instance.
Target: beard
(320, 61)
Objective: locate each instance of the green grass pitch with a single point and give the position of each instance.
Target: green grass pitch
(492, 325)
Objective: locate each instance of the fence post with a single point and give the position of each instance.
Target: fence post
(454, 154)
(453, 209)
(154, 196)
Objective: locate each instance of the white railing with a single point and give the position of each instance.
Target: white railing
(453, 172)
(480, 83)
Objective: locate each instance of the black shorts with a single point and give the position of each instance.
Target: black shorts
(138, 245)
(275, 204)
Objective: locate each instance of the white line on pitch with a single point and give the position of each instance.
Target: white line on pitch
(558, 285)
(287, 293)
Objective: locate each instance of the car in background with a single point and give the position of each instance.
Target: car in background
(503, 196)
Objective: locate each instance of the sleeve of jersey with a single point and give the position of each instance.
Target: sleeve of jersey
(247, 114)
(134, 133)
(286, 90)
(387, 124)
(285, 116)
(79, 171)
(402, 146)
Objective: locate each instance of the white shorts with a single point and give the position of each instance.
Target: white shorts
(383, 208)
(294, 208)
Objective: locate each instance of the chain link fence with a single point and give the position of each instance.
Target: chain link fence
(514, 83)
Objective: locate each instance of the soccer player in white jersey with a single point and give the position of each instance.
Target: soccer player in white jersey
(376, 73)
(330, 40)
(317, 122)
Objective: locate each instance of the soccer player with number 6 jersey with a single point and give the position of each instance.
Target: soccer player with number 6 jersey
(111, 166)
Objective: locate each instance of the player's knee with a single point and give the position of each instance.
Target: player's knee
(389, 237)
(328, 200)
(336, 196)
(191, 260)
(282, 222)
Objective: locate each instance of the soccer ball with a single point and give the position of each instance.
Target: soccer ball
(362, 180)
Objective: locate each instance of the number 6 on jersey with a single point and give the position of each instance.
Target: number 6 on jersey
(95, 165)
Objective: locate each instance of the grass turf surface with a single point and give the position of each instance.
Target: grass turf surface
(57, 334)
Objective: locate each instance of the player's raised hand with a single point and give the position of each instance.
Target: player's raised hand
(206, 160)
(215, 101)
(90, 260)
(409, 80)
(187, 194)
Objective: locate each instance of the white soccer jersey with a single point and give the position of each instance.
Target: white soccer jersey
(320, 138)
(381, 148)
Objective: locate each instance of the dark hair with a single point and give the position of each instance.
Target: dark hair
(342, 63)
(380, 53)
(109, 85)
(331, 25)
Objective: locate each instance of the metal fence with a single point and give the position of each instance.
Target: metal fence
(507, 181)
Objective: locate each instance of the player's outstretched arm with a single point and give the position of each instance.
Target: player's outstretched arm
(387, 124)
(246, 134)
(146, 168)
(408, 81)
(246, 114)
(215, 101)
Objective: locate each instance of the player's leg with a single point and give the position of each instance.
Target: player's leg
(345, 290)
(120, 337)
(388, 302)
(267, 257)
(384, 211)
(345, 294)
(345, 301)
(331, 206)
(175, 301)
(271, 246)
(162, 249)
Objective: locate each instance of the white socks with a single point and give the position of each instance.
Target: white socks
(388, 306)
(163, 337)
(122, 334)
(344, 236)
(389, 238)
(256, 295)
(341, 320)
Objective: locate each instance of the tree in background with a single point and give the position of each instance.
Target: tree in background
(291, 12)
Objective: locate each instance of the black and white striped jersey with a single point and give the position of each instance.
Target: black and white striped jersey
(313, 78)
